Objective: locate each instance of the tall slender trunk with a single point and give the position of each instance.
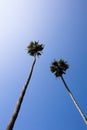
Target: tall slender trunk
(74, 101)
(20, 100)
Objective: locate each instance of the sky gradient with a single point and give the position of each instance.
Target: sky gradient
(62, 26)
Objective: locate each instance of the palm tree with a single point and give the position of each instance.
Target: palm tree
(59, 68)
(34, 49)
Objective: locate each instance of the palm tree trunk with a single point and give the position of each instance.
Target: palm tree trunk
(20, 100)
(74, 101)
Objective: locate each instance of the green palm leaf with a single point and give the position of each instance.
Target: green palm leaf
(59, 67)
(34, 48)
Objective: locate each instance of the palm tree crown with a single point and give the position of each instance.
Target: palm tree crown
(34, 48)
(59, 67)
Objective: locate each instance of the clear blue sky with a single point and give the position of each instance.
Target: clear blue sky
(62, 26)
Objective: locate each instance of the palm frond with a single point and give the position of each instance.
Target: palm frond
(59, 67)
(34, 48)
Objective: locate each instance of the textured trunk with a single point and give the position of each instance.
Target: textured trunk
(19, 102)
(74, 101)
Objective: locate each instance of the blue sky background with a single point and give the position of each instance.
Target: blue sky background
(62, 26)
